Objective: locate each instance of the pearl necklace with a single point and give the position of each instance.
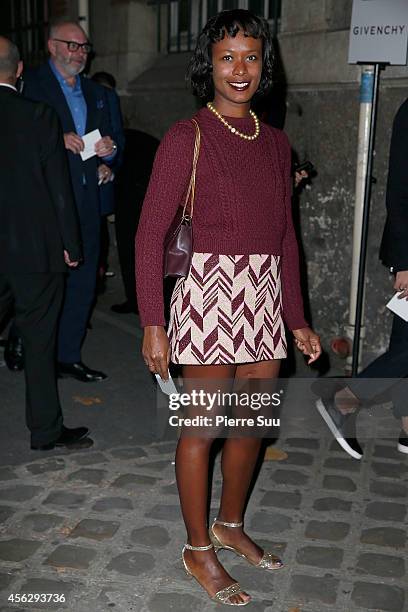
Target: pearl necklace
(231, 127)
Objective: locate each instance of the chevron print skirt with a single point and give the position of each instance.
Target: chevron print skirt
(228, 310)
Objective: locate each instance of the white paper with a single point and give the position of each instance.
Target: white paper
(167, 386)
(399, 307)
(90, 139)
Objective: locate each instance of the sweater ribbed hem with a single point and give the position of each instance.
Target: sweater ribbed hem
(218, 245)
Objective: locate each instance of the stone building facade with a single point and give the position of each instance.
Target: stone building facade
(321, 92)
(322, 108)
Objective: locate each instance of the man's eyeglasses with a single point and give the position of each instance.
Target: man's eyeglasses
(75, 46)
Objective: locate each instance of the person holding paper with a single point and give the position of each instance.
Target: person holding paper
(39, 238)
(108, 175)
(340, 410)
(82, 108)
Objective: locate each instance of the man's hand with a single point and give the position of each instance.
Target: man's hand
(401, 284)
(299, 176)
(104, 174)
(105, 146)
(73, 142)
(71, 264)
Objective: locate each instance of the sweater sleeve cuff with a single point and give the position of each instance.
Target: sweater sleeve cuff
(152, 322)
(298, 323)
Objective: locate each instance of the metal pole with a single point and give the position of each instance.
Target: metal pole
(189, 24)
(366, 104)
(178, 26)
(365, 221)
(158, 16)
(200, 17)
(168, 26)
(276, 12)
(83, 15)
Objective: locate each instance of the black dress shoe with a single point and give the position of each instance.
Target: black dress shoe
(124, 308)
(342, 426)
(14, 353)
(70, 438)
(79, 371)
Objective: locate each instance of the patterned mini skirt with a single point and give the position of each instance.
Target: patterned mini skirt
(228, 310)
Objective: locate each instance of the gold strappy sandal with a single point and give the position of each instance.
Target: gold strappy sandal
(224, 595)
(268, 560)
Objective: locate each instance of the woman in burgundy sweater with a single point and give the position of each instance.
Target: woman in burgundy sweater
(227, 316)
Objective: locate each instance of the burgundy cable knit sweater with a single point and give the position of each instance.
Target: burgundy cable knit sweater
(242, 205)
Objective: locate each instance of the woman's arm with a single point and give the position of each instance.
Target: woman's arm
(306, 340)
(168, 184)
(292, 300)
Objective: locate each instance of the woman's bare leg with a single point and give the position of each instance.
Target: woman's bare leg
(192, 463)
(239, 458)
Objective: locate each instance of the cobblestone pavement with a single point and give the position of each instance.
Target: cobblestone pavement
(104, 528)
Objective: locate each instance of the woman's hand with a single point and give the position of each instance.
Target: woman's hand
(308, 343)
(156, 350)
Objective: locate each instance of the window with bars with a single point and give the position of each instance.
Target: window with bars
(25, 23)
(185, 18)
(270, 9)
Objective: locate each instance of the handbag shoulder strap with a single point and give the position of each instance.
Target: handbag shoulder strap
(191, 187)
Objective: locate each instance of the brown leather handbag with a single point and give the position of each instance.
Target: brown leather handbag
(178, 244)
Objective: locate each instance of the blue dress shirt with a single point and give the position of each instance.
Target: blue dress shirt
(76, 102)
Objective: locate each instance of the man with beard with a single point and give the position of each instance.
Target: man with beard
(39, 238)
(82, 107)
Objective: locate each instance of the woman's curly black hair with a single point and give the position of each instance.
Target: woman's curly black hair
(228, 23)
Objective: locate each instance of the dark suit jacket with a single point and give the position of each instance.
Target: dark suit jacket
(37, 210)
(107, 192)
(394, 245)
(41, 84)
(116, 121)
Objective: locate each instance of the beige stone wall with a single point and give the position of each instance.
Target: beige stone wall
(315, 15)
(124, 36)
(322, 123)
(314, 42)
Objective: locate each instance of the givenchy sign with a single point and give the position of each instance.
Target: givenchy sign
(379, 32)
(376, 30)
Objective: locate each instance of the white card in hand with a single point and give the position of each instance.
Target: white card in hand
(167, 386)
(90, 139)
(399, 307)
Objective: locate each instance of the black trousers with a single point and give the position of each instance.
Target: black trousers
(383, 371)
(37, 304)
(127, 215)
(80, 285)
